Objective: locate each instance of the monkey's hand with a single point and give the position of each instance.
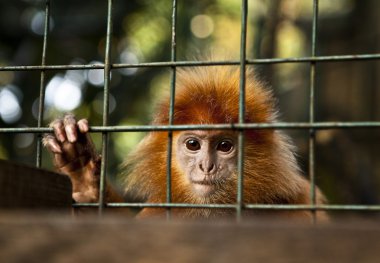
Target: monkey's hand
(75, 155)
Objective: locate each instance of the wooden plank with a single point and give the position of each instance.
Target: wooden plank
(24, 187)
(40, 239)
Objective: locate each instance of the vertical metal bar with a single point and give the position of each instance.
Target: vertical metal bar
(41, 105)
(243, 60)
(107, 79)
(312, 109)
(171, 108)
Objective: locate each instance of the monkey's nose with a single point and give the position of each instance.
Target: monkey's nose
(209, 168)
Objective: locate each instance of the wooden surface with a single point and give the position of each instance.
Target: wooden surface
(27, 187)
(49, 237)
(56, 239)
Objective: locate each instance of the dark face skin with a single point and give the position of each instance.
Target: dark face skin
(206, 158)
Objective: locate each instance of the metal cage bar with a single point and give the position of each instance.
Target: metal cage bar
(107, 80)
(171, 107)
(41, 103)
(243, 56)
(372, 208)
(312, 109)
(232, 126)
(320, 59)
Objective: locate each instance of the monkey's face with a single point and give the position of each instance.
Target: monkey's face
(207, 159)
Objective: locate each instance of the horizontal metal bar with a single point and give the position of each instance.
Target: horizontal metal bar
(198, 63)
(315, 59)
(316, 207)
(26, 130)
(158, 205)
(232, 206)
(52, 67)
(147, 128)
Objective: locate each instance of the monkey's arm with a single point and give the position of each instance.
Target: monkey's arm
(75, 155)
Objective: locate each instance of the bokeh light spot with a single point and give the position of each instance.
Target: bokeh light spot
(202, 26)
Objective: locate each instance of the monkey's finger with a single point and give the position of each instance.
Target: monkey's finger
(60, 160)
(70, 150)
(59, 130)
(50, 142)
(83, 125)
(70, 124)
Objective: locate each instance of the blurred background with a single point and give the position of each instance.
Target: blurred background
(347, 161)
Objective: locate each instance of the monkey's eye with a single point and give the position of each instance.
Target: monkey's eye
(225, 146)
(193, 145)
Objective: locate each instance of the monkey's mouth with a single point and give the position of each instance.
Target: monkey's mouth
(204, 187)
(203, 182)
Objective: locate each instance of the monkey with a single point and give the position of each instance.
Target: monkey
(204, 162)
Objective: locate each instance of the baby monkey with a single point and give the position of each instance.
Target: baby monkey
(204, 162)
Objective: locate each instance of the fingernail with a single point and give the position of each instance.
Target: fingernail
(56, 148)
(83, 127)
(71, 137)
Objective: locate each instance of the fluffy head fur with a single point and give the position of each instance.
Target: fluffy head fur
(210, 95)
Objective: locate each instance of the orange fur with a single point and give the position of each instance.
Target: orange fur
(210, 95)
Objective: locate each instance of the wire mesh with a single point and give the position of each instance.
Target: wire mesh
(312, 126)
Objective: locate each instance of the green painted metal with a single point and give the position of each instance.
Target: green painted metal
(232, 126)
(373, 208)
(171, 107)
(321, 59)
(312, 132)
(107, 81)
(243, 59)
(41, 101)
